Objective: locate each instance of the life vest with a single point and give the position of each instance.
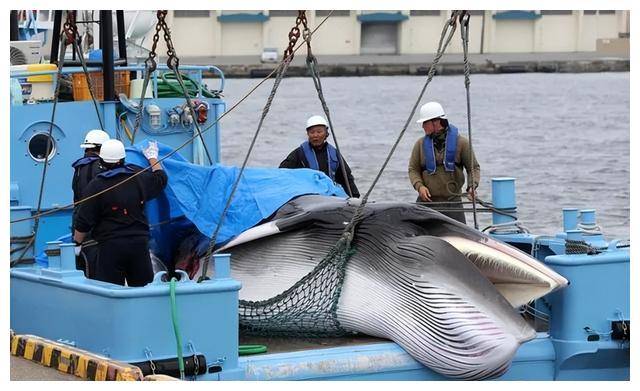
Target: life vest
(83, 161)
(128, 169)
(332, 158)
(451, 144)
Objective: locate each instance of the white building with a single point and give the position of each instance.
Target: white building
(226, 33)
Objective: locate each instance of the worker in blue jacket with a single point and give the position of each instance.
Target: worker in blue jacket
(116, 217)
(316, 153)
(84, 170)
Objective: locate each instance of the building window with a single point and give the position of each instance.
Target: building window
(191, 14)
(607, 12)
(590, 12)
(283, 13)
(476, 12)
(556, 12)
(424, 13)
(323, 13)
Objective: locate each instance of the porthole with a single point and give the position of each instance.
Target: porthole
(38, 145)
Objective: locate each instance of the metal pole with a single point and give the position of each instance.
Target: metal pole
(14, 32)
(55, 37)
(122, 42)
(106, 33)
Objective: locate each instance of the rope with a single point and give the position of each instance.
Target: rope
(445, 38)
(160, 160)
(312, 62)
(48, 149)
(176, 325)
(506, 228)
(464, 33)
(89, 83)
(265, 111)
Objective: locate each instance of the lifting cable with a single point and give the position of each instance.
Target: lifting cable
(445, 38)
(294, 35)
(174, 151)
(464, 33)
(67, 36)
(312, 63)
(150, 66)
(173, 63)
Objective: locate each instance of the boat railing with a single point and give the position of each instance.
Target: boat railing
(198, 71)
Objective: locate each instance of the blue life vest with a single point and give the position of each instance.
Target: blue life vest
(451, 144)
(83, 161)
(128, 169)
(332, 158)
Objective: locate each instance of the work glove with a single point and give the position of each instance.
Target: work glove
(151, 151)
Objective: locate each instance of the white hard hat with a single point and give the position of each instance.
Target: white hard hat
(94, 138)
(112, 151)
(431, 110)
(316, 120)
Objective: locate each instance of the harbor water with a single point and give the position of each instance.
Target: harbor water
(565, 137)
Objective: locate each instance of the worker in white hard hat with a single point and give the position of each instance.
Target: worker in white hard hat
(438, 160)
(85, 169)
(316, 153)
(116, 218)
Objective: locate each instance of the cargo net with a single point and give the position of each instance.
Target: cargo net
(308, 308)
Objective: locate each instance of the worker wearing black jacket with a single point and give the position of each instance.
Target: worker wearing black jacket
(116, 218)
(319, 155)
(84, 170)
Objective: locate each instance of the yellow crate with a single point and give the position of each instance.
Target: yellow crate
(81, 88)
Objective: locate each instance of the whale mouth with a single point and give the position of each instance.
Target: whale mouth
(519, 277)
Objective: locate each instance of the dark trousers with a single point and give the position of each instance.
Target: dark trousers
(447, 204)
(124, 258)
(88, 258)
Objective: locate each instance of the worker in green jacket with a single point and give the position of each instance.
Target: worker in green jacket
(437, 162)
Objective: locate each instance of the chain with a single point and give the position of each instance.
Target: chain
(445, 38)
(294, 35)
(150, 66)
(464, 34)
(168, 155)
(152, 365)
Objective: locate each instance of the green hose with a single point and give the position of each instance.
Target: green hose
(168, 87)
(245, 350)
(176, 326)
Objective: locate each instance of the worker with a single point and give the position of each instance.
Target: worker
(85, 169)
(316, 153)
(116, 217)
(437, 162)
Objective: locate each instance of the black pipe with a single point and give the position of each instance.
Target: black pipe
(106, 30)
(55, 37)
(170, 366)
(122, 43)
(14, 32)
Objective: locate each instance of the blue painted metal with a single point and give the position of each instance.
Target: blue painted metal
(382, 17)
(134, 324)
(503, 196)
(586, 307)
(569, 219)
(516, 15)
(243, 17)
(383, 361)
(588, 216)
(122, 322)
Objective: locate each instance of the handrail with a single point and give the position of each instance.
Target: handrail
(137, 67)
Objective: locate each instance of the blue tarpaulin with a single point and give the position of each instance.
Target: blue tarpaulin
(200, 193)
(196, 196)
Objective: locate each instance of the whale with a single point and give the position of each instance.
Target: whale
(446, 293)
